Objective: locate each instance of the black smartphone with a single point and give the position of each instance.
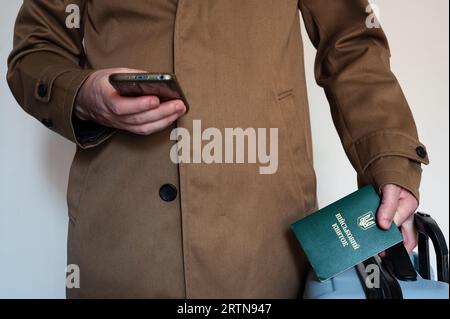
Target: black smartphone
(163, 85)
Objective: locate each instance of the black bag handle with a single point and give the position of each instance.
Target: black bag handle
(389, 287)
(397, 265)
(428, 228)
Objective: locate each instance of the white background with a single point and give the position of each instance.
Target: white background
(34, 162)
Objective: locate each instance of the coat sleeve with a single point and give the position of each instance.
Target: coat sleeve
(46, 69)
(369, 110)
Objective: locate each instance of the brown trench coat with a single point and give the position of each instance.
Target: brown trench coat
(240, 63)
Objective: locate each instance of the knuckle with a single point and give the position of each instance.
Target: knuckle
(113, 106)
(141, 105)
(160, 113)
(110, 106)
(155, 101)
(165, 112)
(134, 119)
(149, 102)
(117, 110)
(106, 116)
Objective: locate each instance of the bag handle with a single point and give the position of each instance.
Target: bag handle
(428, 228)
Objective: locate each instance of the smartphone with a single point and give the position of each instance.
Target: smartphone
(163, 85)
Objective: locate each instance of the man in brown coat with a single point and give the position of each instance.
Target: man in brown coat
(142, 225)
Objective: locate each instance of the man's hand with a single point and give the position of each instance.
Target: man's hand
(399, 205)
(98, 101)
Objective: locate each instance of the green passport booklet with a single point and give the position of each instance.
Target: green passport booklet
(345, 233)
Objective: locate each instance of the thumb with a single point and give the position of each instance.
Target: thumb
(389, 203)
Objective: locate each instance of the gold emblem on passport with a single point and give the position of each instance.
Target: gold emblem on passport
(366, 221)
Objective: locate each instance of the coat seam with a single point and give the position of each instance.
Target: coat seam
(185, 247)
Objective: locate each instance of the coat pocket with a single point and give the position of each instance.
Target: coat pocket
(295, 124)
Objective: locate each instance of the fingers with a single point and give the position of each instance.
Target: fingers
(406, 207)
(409, 233)
(153, 120)
(163, 110)
(399, 205)
(153, 127)
(100, 102)
(389, 204)
(120, 105)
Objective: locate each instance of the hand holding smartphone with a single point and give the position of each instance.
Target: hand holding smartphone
(163, 85)
(130, 100)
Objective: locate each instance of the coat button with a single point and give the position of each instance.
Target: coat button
(421, 152)
(42, 90)
(168, 192)
(47, 122)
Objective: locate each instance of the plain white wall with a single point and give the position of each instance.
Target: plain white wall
(34, 162)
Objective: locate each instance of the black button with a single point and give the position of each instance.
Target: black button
(42, 90)
(47, 122)
(421, 152)
(168, 192)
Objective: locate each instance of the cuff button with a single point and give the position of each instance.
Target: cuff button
(421, 152)
(42, 90)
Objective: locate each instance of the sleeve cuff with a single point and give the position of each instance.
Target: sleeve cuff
(397, 170)
(61, 88)
(90, 134)
(87, 134)
(46, 85)
(390, 157)
(389, 143)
